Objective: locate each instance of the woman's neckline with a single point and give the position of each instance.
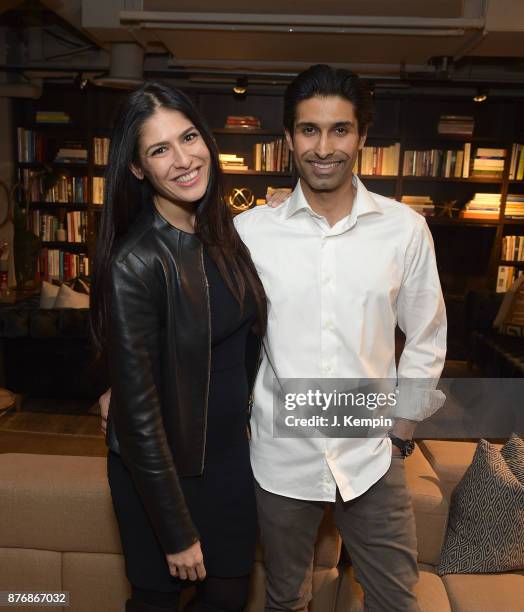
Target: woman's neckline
(178, 229)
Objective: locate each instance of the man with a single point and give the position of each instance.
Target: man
(340, 266)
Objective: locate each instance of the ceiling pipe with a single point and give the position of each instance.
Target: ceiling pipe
(180, 72)
(470, 45)
(294, 66)
(126, 68)
(168, 17)
(301, 29)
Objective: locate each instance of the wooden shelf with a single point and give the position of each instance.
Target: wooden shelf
(461, 222)
(514, 221)
(53, 164)
(55, 205)
(36, 127)
(66, 246)
(246, 132)
(456, 138)
(256, 173)
(439, 179)
(506, 262)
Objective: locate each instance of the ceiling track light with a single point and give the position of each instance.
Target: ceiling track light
(481, 95)
(240, 88)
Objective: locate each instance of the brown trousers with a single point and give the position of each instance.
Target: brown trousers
(378, 531)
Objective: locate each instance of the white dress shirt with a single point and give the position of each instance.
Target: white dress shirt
(335, 295)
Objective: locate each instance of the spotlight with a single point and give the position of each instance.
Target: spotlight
(80, 81)
(481, 96)
(241, 87)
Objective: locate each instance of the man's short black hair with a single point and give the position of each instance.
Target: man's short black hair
(322, 80)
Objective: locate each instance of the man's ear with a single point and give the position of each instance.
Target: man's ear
(289, 139)
(362, 140)
(137, 171)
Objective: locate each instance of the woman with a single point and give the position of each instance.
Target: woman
(178, 312)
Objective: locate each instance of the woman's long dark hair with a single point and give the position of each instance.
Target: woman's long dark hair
(125, 196)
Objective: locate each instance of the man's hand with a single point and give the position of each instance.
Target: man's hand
(404, 430)
(188, 564)
(103, 402)
(277, 198)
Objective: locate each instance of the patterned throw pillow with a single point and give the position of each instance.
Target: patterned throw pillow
(513, 453)
(486, 518)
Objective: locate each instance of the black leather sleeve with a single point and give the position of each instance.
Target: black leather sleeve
(135, 404)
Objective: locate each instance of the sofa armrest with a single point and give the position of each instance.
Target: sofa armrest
(56, 503)
(449, 459)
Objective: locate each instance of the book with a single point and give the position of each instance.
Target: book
(460, 125)
(380, 161)
(467, 157)
(482, 206)
(98, 186)
(243, 122)
(100, 150)
(450, 163)
(52, 117)
(422, 204)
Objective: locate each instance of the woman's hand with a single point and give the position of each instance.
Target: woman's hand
(277, 198)
(103, 402)
(188, 564)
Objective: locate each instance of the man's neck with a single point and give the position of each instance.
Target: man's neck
(333, 205)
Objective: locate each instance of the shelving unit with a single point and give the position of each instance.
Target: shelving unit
(468, 250)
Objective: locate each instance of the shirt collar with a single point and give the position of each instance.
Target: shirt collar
(363, 203)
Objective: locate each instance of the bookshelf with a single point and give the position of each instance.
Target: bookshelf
(469, 251)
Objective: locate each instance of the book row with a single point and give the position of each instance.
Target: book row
(55, 264)
(506, 276)
(455, 163)
(272, 156)
(59, 190)
(50, 228)
(380, 161)
(100, 151)
(512, 248)
(35, 147)
(516, 167)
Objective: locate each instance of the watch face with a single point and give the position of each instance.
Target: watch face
(409, 447)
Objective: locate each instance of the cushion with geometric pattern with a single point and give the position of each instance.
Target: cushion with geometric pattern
(486, 517)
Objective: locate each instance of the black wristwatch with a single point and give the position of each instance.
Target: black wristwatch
(406, 447)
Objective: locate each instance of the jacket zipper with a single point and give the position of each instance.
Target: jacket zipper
(208, 355)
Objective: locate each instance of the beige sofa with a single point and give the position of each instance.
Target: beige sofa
(58, 533)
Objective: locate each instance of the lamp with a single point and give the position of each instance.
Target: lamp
(240, 88)
(481, 95)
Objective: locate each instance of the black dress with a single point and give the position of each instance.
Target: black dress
(221, 501)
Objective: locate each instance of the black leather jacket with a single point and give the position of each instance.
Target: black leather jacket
(160, 353)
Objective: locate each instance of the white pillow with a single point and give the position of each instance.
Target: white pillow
(48, 295)
(67, 298)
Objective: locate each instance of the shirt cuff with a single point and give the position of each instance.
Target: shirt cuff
(417, 399)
